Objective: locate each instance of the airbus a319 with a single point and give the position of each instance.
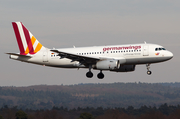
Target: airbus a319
(116, 58)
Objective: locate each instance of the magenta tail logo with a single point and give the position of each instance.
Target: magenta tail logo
(26, 41)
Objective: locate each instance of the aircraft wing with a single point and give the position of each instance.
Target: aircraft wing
(75, 57)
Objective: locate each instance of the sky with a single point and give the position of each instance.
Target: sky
(64, 23)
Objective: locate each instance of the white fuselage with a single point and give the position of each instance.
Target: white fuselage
(128, 54)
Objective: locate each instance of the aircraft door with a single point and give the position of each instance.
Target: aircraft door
(146, 50)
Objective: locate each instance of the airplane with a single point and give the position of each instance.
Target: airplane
(115, 58)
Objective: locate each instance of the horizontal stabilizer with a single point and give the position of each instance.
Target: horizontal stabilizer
(19, 55)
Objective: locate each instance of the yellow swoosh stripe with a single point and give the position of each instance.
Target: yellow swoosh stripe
(38, 48)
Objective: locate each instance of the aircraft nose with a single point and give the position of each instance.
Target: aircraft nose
(170, 55)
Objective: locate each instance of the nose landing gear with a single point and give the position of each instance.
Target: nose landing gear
(148, 71)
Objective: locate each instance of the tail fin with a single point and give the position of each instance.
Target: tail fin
(26, 41)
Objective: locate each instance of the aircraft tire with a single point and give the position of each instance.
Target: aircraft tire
(89, 74)
(149, 72)
(100, 75)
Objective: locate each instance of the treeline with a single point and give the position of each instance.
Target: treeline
(91, 95)
(144, 112)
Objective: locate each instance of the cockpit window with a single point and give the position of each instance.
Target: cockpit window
(158, 49)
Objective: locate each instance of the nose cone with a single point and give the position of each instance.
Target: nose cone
(169, 55)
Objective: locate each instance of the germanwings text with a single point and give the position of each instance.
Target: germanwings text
(122, 48)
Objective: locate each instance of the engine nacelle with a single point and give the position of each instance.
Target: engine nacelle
(125, 68)
(108, 65)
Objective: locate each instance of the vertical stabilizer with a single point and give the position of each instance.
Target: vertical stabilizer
(27, 43)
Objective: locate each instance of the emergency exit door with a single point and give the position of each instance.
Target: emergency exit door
(145, 50)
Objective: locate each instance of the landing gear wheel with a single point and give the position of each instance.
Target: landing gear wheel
(89, 74)
(100, 75)
(149, 72)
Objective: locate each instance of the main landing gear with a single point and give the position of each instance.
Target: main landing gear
(148, 71)
(89, 74)
(100, 75)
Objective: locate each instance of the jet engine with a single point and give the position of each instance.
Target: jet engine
(108, 65)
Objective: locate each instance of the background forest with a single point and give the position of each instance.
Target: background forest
(91, 95)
